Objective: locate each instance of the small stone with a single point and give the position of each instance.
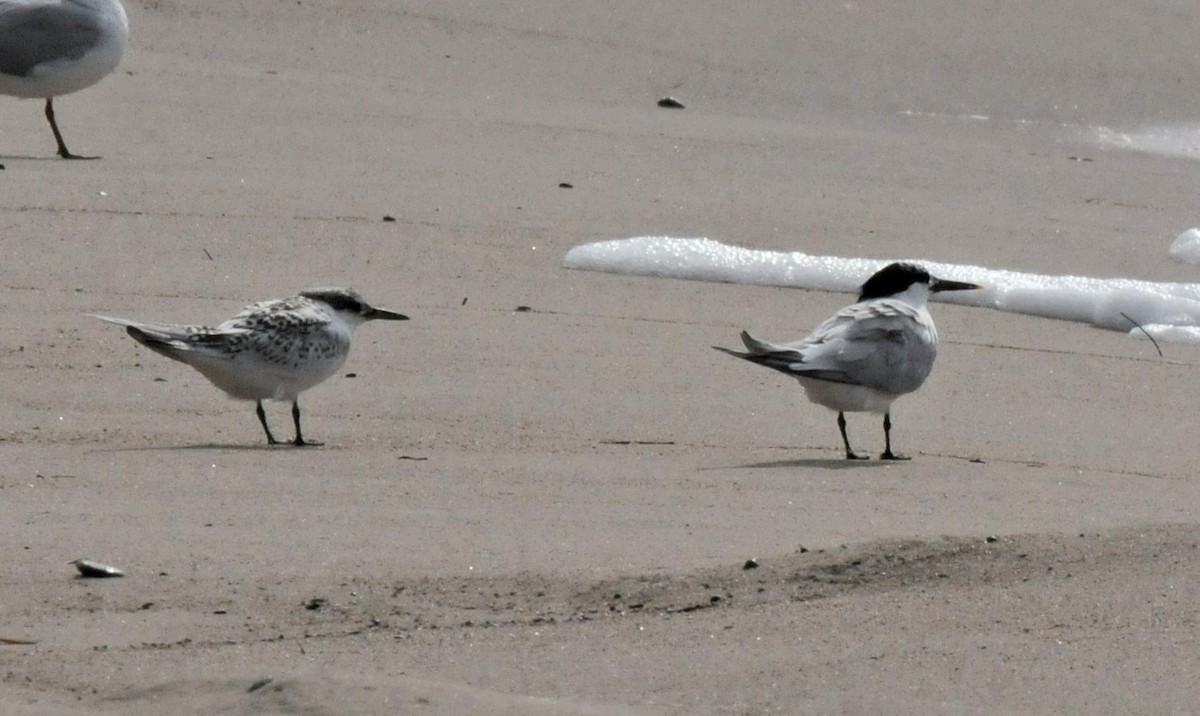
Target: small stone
(96, 570)
(670, 103)
(750, 564)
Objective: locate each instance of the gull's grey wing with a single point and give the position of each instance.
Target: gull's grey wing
(33, 34)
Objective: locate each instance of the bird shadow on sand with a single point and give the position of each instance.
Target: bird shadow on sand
(222, 446)
(32, 157)
(814, 463)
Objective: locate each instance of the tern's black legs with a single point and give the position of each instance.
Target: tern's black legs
(299, 441)
(887, 440)
(850, 454)
(62, 147)
(262, 418)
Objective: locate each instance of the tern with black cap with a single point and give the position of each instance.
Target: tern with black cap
(869, 353)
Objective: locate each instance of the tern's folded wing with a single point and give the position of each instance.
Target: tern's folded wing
(783, 358)
(881, 344)
(892, 353)
(159, 331)
(288, 313)
(174, 341)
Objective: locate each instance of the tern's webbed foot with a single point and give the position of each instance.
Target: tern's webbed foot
(856, 456)
(301, 442)
(889, 455)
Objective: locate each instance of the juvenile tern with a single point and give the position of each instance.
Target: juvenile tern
(54, 47)
(867, 354)
(273, 350)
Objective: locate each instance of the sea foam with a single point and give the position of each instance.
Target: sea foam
(1167, 311)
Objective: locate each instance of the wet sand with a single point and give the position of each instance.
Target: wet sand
(550, 511)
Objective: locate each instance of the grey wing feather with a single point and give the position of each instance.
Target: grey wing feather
(783, 358)
(879, 345)
(885, 347)
(126, 322)
(793, 359)
(173, 341)
(33, 34)
(290, 312)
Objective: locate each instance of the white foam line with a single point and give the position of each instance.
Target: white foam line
(1181, 140)
(1169, 311)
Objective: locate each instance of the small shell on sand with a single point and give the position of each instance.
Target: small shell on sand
(95, 570)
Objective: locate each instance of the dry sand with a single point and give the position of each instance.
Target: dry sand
(550, 511)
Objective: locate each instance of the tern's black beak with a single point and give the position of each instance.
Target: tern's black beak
(381, 314)
(938, 284)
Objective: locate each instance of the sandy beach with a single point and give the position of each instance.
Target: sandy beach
(546, 493)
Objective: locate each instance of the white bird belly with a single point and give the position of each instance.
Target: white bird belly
(845, 397)
(250, 378)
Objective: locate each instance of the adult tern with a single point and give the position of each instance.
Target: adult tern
(867, 354)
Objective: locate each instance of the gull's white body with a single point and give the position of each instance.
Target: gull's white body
(865, 356)
(54, 47)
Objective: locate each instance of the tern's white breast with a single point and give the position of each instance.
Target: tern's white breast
(844, 397)
(275, 354)
(282, 367)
